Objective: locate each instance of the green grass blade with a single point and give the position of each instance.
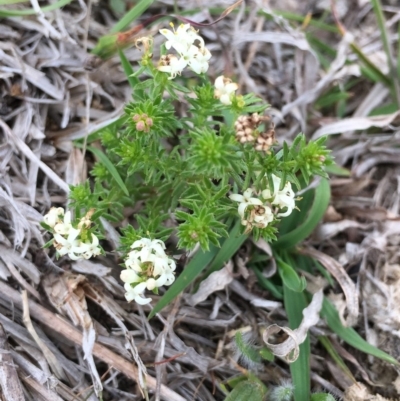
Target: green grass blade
(301, 18)
(375, 71)
(30, 11)
(335, 169)
(317, 211)
(8, 2)
(336, 357)
(110, 167)
(126, 65)
(322, 397)
(377, 6)
(349, 335)
(267, 284)
(289, 276)
(133, 14)
(199, 262)
(228, 248)
(398, 52)
(295, 303)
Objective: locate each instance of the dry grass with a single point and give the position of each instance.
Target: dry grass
(76, 332)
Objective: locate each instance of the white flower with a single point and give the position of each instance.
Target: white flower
(136, 293)
(198, 62)
(91, 249)
(262, 220)
(183, 41)
(64, 227)
(155, 245)
(172, 65)
(149, 266)
(53, 216)
(245, 201)
(224, 89)
(182, 38)
(69, 245)
(282, 198)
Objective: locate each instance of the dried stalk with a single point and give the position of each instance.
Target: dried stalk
(64, 328)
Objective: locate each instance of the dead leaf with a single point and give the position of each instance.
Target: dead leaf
(348, 286)
(214, 282)
(289, 349)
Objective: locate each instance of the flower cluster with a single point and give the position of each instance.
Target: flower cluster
(183, 40)
(258, 211)
(143, 122)
(147, 267)
(77, 243)
(247, 131)
(225, 90)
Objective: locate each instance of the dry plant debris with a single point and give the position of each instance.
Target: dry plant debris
(66, 329)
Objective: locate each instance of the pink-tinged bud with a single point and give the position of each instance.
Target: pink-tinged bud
(149, 122)
(136, 118)
(140, 126)
(144, 116)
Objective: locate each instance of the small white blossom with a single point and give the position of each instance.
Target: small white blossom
(54, 216)
(182, 38)
(90, 249)
(136, 293)
(148, 266)
(65, 226)
(172, 65)
(263, 217)
(155, 245)
(69, 245)
(282, 198)
(199, 62)
(194, 55)
(245, 201)
(224, 89)
(68, 239)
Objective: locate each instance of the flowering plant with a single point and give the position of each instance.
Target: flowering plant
(182, 156)
(75, 240)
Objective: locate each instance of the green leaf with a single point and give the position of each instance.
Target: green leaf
(322, 397)
(48, 244)
(229, 248)
(267, 284)
(349, 335)
(267, 354)
(30, 11)
(335, 169)
(249, 390)
(126, 65)
(377, 6)
(317, 211)
(336, 357)
(199, 262)
(133, 14)
(247, 351)
(110, 167)
(295, 303)
(289, 276)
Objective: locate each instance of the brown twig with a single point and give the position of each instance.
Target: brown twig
(65, 329)
(10, 385)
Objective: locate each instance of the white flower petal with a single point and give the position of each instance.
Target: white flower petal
(236, 197)
(142, 301)
(129, 276)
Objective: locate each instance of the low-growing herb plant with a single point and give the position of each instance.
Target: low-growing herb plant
(194, 163)
(188, 156)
